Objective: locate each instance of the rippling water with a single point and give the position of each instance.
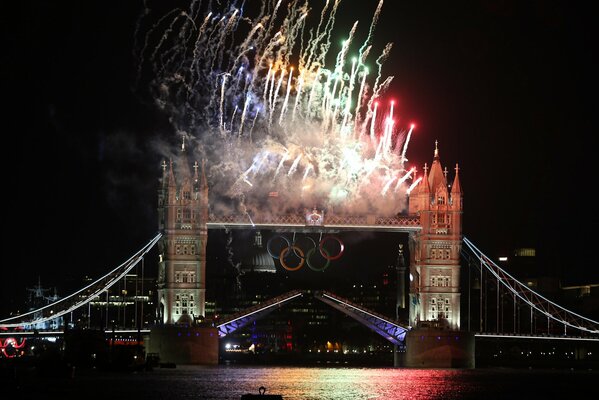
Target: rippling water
(231, 382)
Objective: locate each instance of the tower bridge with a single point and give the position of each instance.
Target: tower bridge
(438, 252)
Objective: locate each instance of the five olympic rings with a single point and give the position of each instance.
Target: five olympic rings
(304, 258)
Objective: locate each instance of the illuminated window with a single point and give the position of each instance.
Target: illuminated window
(177, 278)
(433, 281)
(433, 309)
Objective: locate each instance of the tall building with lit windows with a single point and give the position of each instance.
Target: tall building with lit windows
(182, 216)
(435, 249)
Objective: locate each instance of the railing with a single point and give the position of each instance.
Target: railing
(407, 223)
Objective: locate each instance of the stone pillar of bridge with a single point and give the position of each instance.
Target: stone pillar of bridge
(181, 337)
(182, 213)
(435, 249)
(434, 299)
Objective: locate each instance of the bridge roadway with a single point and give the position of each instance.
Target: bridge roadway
(313, 221)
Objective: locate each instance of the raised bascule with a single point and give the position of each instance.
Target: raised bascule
(433, 222)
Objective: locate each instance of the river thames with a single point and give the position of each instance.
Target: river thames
(308, 383)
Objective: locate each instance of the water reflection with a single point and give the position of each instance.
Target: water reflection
(293, 383)
(384, 383)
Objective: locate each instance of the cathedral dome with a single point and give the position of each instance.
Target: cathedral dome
(259, 262)
(257, 258)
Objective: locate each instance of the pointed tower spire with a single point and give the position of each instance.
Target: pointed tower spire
(437, 177)
(195, 170)
(171, 174)
(203, 180)
(424, 186)
(456, 187)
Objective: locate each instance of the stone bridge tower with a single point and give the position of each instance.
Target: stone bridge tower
(182, 216)
(435, 250)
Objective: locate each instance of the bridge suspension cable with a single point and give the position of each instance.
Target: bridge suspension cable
(82, 296)
(536, 301)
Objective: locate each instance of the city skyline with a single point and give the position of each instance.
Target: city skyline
(504, 88)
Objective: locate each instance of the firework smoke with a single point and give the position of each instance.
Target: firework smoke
(254, 95)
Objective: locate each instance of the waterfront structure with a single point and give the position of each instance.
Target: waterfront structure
(182, 216)
(435, 249)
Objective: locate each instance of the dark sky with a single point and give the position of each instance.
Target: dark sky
(508, 88)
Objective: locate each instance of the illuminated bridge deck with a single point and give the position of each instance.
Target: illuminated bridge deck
(317, 222)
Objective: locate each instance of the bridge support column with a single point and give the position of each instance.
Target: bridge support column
(185, 345)
(438, 348)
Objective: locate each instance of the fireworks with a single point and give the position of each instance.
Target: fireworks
(268, 103)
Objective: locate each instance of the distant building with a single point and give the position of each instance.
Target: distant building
(38, 298)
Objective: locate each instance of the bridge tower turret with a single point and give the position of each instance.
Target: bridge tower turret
(182, 217)
(435, 250)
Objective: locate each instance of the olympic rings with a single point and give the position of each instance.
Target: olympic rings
(295, 242)
(270, 252)
(326, 254)
(293, 246)
(313, 268)
(284, 254)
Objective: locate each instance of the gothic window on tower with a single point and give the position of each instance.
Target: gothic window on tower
(184, 249)
(184, 277)
(433, 281)
(179, 214)
(433, 309)
(444, 308)
(178, 249)
(441, 200)
(177, 277)
(192, 249)
(184, 303)
(187, 195)
(434, 253)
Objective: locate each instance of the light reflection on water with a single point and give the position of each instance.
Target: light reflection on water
(362, 383)
(295, 383)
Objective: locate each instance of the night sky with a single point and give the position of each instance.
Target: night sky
(508, 88)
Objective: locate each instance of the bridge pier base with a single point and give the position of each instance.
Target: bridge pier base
(437, 348)
(185, 345)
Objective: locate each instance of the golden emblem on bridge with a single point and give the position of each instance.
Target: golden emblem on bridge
(313, 218)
